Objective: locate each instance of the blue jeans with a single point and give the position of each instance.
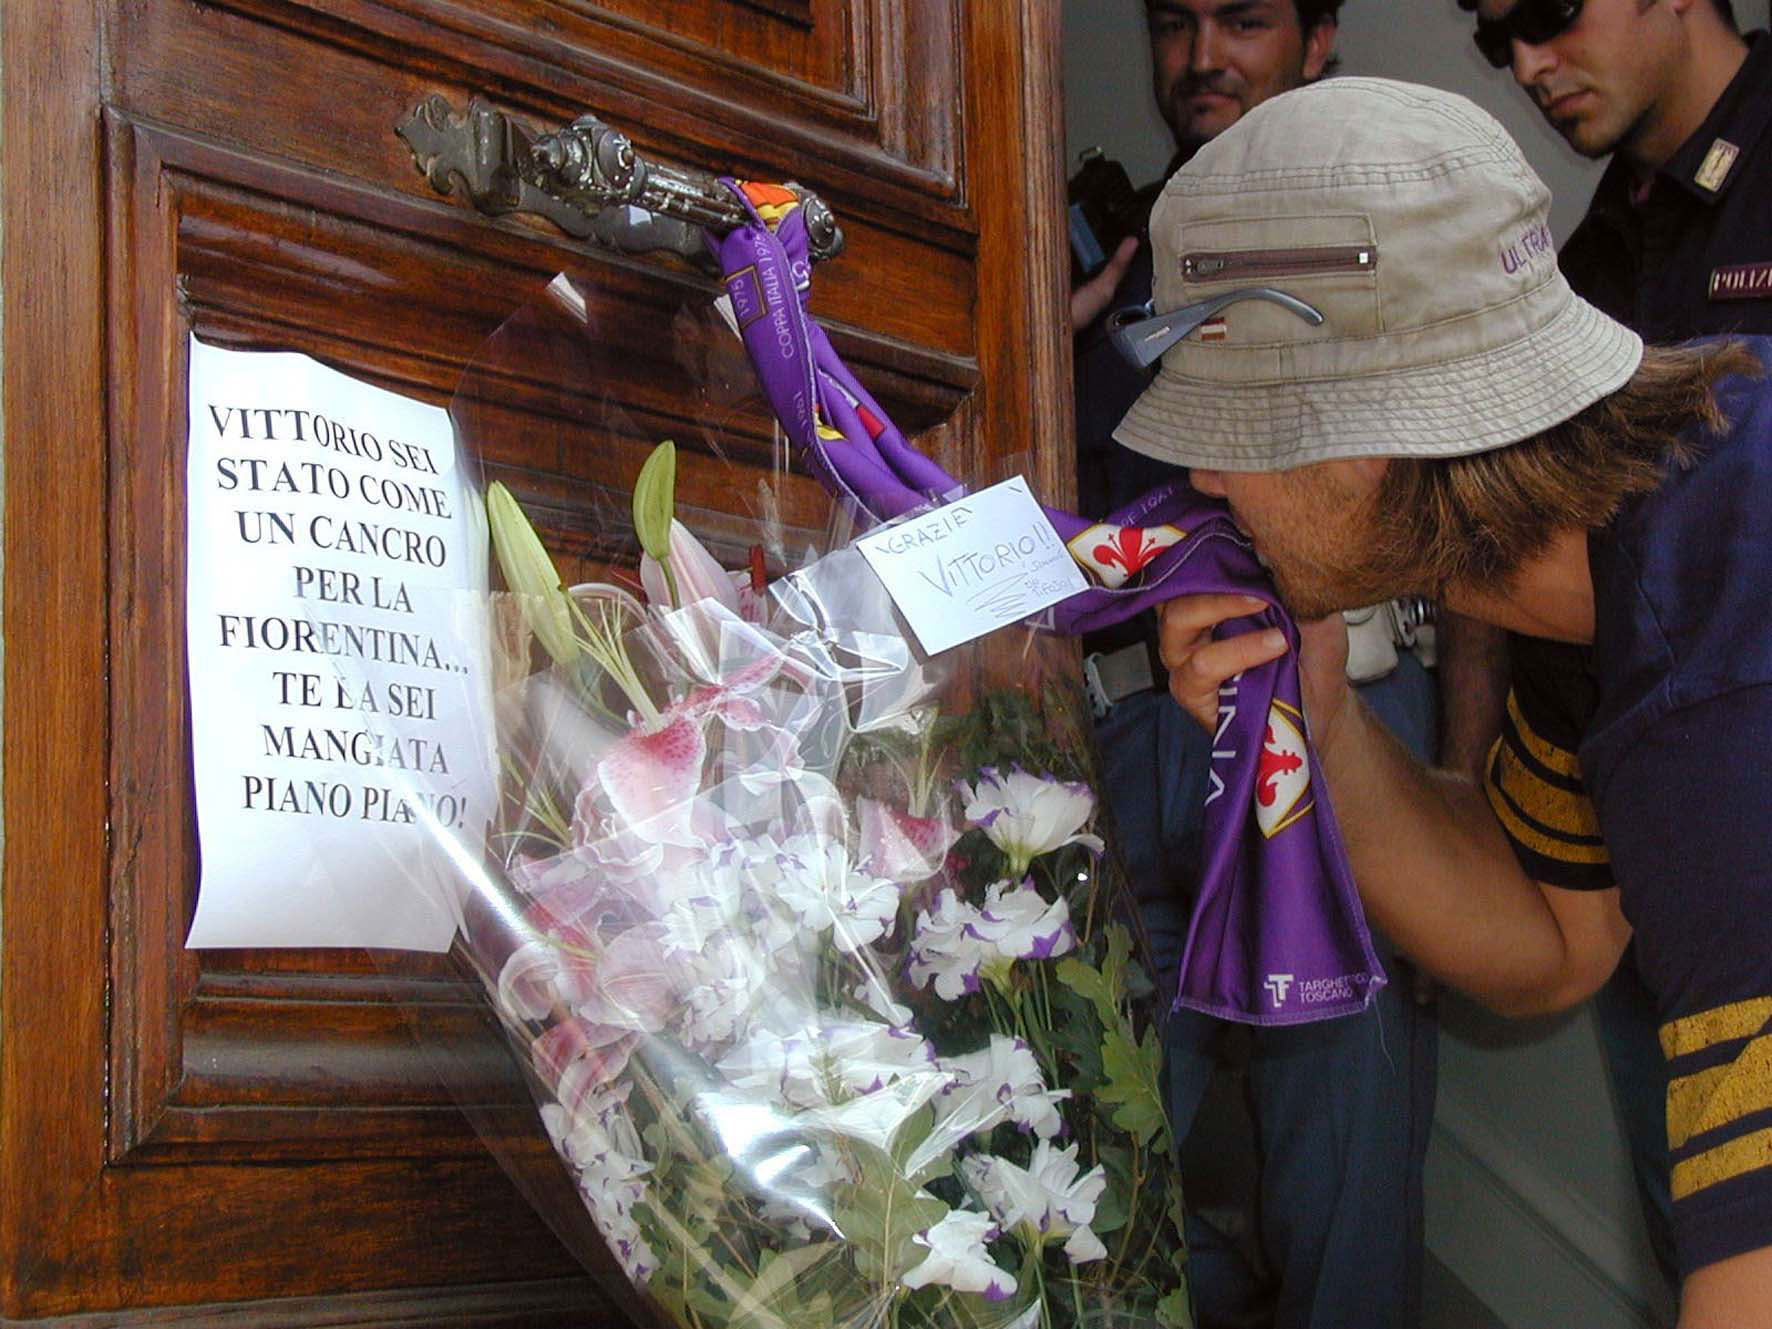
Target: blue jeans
(1341, 1109)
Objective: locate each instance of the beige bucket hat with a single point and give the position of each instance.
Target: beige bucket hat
(1411, 221)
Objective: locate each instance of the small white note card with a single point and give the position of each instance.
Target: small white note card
(973, 565)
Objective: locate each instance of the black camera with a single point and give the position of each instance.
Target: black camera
(1104, 210)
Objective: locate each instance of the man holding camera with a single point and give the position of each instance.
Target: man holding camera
(1341, 1110)
(1463, 423)
(1675, 244)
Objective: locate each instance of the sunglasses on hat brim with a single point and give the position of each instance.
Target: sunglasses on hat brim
(1531, 21)
(1141, 336)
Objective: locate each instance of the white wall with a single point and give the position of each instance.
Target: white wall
(1530, 1200)
(1108, 99)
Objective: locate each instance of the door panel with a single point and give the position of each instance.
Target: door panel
(231, 168)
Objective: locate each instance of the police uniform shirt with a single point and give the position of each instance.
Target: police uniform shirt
(1694, 256)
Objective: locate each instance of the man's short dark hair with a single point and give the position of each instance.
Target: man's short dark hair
(1313, 12)
(1725, 10)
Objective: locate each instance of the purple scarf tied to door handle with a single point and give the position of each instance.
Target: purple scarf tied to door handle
(1277, 934)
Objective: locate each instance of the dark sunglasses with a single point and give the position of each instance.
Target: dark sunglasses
(1531, 21)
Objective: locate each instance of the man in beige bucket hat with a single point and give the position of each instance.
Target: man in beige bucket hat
(1460, 424)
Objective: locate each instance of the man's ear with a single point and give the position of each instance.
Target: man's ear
(1319, 49)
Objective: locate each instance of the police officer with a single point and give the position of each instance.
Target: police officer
(1676, 244)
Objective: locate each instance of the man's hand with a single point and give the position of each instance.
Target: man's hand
(1432, 865)
(1096, 294)
(1199, 665)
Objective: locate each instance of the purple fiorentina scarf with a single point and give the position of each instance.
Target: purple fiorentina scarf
(1278, 935)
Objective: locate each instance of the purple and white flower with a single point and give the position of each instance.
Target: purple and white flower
(1019, 924)
(1028, 815)
(958, 1259)
(1001, 1082)
(814, 877)
(1047, 1197)
(955, 945)
(944, 949)
(597, 1138)
(728, 980)
(832, 1062)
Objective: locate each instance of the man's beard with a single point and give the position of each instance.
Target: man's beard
(1317, 594)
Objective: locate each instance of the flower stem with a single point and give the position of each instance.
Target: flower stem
(602, 641)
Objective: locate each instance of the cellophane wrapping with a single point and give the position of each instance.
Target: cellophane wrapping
(807, 946)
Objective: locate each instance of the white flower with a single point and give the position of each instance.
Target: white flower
(1047, 1196)
(998, 1082)
(956, 944)
(629, 1244)
(1020, 925)
(817, 881)
(873, 993)
(601, 1144)
(729, 976)
(691, 923)
(958, 1259)
(945, 950)
(827, 1063)
(1028, 815)
(597, 1131)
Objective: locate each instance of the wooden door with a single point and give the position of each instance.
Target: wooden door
(252, 1135)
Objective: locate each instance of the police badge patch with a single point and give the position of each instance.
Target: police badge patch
(1744, 281)
(1717, 164)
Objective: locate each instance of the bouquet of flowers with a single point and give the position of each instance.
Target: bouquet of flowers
(827, 1003)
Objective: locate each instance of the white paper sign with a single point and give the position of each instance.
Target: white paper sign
(335, 588)
(973, 565)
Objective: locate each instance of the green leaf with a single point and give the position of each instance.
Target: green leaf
(910, 1137)
(1174, 1311)
(1133, 1084)
(1114, 1207)
(1114, 968)
(1076, 1033)
(774, 1299)
(880, 1214)
(1176, 1211)
(655, 498)
(530, 574)
(1091, 985)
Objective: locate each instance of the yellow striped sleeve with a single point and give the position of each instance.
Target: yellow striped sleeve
(1722, 1024)
(1720, 1095)
(1534, 787)
(1524, 832)
(1744, 1154)
(1558, 760)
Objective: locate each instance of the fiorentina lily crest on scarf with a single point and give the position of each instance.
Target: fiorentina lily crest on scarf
(1116, 554)
(1283, 772)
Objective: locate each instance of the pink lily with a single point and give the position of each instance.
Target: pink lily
(900, 847)
(651, 775)
(699, 576)
(577, 1057)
